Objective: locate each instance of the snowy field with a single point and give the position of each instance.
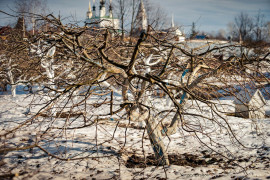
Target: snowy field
(106, 152)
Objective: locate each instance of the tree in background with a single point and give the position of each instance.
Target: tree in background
(156, 16)
(259, 27)
(28, 9)
(194, 32)
(135, 5)
(267, 31)
(14, 60)
(247, 28)
(123, 11)
(221, 35)
(20, 28)
(243, 26)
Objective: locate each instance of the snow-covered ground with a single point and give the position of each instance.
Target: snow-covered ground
(109, 151)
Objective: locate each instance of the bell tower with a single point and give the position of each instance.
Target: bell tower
(141, 18)
(89, 13)
(102, 9)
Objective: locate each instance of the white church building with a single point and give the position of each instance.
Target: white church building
(104, 19)
(178, 35)
(141, 24)
(101, 18)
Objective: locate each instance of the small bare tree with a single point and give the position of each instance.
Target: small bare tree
(28, 9)
(156, 16)
(247, 28)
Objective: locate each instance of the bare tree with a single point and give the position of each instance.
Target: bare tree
(194, 32)
(123, 9)
(267, 31)
(246, 28)
(259, 27)
(13, 56)
(135, 5)
(29, 8)
(116, 82)
(127, 11)
(157, 17)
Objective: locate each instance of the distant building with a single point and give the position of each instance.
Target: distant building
(176, 32)
(250, 104)
(103, 19)
(201, 37)
(173, 33)
(21, 28)
(141, 20)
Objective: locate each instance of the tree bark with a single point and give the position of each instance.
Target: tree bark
(13, 90)
(154, 133)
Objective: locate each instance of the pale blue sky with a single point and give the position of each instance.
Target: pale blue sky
(209, 15)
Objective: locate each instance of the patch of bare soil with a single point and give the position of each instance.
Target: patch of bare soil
(175, 159)
(205, 159)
